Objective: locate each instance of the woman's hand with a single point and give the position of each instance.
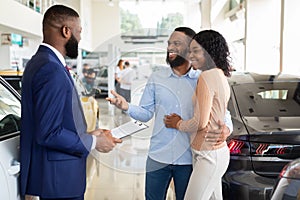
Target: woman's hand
(171, 120)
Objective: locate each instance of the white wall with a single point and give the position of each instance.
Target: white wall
(75, 4)
(17, 16)
(13, 55)
(29, 25)
(105, 22)
(83, 7)
(193, 15)
(263, 36)
(291, 36)
(86, 23)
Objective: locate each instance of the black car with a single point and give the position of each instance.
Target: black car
(265, 110)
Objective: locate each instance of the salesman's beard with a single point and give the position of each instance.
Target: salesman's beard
(72, 47)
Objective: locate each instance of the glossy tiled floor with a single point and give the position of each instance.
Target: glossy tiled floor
(120, 174)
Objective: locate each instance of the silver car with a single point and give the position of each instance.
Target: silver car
(10, 116)
(288, 185)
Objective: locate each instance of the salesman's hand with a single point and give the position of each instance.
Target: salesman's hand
(105, 141)
(118, 101)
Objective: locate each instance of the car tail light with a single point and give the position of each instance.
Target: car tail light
(235, 146)
(271, 149)
(238, 147)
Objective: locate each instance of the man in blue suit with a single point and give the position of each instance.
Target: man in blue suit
(54, 141)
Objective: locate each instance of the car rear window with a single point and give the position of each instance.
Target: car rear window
(268, 99)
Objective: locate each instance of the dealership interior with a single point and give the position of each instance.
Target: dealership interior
(262, 35)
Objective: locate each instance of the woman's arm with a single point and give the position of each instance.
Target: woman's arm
(202, 108)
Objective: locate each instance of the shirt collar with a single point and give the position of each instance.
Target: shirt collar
(191, 73)
(57, 53)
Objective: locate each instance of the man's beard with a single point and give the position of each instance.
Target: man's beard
(72, 47)
(179, 60)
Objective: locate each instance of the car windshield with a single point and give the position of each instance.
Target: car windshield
(10, 112)
(269, 105)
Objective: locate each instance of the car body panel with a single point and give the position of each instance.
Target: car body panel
(10, 113)
(9, 168)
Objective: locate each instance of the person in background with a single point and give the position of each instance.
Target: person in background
(118, 69)
(54, 143)
(88, 80)
(85, 68)
(126, 77)
(169, 90)
(209, 53)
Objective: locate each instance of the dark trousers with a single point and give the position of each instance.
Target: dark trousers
(74, 198)
(159, 175)
(126, 94)
(117, 86)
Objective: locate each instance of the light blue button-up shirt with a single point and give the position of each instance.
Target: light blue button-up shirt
(167, 93)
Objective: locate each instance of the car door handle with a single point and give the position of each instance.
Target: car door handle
(14, 168)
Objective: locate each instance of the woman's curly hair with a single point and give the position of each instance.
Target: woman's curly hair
(216, 46)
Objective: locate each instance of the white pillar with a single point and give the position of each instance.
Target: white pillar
(79, 63)
(205, 7)
(111, 63)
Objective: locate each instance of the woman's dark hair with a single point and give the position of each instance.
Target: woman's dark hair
(216, 46)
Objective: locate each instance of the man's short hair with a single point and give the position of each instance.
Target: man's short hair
(58, 14)
(186, 30)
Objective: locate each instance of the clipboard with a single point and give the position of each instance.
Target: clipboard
(127, 129)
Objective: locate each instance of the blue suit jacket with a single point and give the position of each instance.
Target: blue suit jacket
(54, 143)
